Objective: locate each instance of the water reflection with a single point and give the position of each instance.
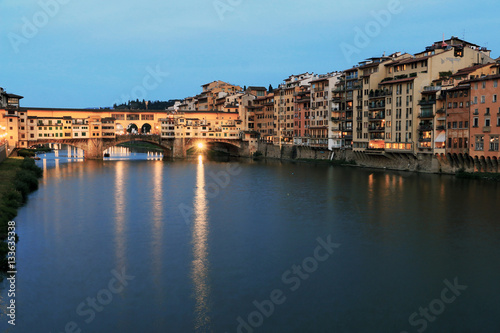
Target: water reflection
(125, 153)
(200, 253)
(120, 191)
(157, 232)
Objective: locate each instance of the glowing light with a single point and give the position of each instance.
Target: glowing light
(200, 145)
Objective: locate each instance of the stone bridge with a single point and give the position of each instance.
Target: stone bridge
(175, 147)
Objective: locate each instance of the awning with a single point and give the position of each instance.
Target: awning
(441, 137)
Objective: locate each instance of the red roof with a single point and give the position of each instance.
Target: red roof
(398, 81)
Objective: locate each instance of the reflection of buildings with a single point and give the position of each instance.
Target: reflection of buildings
(200, 253)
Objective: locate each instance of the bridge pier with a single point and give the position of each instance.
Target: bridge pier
(94, 150)
(179, 148)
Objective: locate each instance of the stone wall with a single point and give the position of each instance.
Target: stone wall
(394, 161)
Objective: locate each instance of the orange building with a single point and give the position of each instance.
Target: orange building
(485, 116)
(457, 119)
(264, 117)
(302, 116)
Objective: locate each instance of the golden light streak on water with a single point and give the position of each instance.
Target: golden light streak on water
(200, 261)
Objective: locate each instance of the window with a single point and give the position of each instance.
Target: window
(487, 122)
(495, 83)
(475, 99)
(494, 98)
(494, 143)
(449, 124)
(483, 99)
(480, 142)
(487, 111)
(475, 122)
(484, 84)
(460, 143)
(460, 124)
(454, 124)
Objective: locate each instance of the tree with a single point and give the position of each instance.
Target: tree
(270, 90)
(244, 88)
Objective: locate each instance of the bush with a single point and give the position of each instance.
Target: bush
(29, 164)
(26, 153)
(13, 199)
(257, 154)
(28, 177)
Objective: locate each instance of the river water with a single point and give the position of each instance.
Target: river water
(137, 244)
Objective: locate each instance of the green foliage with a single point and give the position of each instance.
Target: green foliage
(20, 180)
(141, 105)
(445, 74)
(478, 175)
(26, 153)
(257, 154)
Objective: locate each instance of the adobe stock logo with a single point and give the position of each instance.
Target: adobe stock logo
(151, 81)
(222, 7)
(31, 28)
(372, 29)
(292, 278)
(425, 315)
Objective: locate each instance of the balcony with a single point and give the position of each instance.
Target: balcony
(440, 128)
(336, 119)
(487, 129)
(376, 106)
(379, 93)
(425, 128)
(379, 116)
(432, 88)
(426, 114)
(427, 102)
(373, 129)
(441, 111)
(424, 140)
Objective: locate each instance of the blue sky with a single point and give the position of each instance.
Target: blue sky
(75, 53)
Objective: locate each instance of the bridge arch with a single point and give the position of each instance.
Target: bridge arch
(119, 129)
(146, 128)
(227, 146)
(132, 128)
(79, 144)
(155, 140)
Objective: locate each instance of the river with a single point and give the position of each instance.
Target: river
(137, 244)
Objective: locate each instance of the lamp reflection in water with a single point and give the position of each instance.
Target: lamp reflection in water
(200, 264)
(120, 189)
(157, 232)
